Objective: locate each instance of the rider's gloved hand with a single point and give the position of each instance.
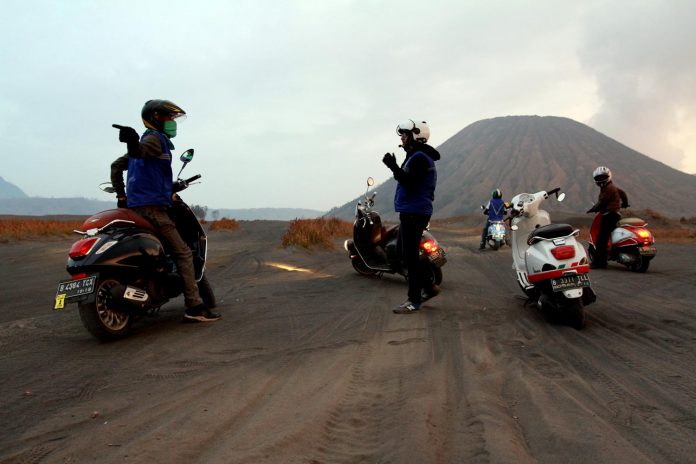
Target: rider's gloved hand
(128, 135)
(390, 161)
(121, 202)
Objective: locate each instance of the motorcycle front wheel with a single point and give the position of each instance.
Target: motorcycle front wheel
(99, 317)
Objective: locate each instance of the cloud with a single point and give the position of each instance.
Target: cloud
(642, 57)
(294, 103)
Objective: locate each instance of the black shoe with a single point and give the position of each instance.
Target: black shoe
(433, 292)
(482, 247)
(200, 313)
(407, 308)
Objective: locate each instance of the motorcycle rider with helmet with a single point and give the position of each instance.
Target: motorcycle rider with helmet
(611, 200)
(148, 190)
(495, 209)
(415, 191)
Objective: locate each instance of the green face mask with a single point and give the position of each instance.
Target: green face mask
(169, 129)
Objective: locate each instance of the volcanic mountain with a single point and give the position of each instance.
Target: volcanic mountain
(532, 153)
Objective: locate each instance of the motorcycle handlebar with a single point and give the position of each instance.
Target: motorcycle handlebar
(551, 192)
(181, 184)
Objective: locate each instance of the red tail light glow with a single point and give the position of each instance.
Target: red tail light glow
(563, 252)
(82, 247)
(430, 246)
(643, 233)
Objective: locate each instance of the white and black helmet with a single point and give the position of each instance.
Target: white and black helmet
(602, 176)
(420, 130)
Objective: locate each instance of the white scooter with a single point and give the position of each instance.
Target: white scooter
(551, 265)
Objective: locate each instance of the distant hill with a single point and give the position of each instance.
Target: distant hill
(36, 206)
(8, 190)
(532, 153)
(277, 214)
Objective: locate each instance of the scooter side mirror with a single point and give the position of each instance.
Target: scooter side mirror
(514, 227)
(561, 197)
(186, 156)
(370, 182)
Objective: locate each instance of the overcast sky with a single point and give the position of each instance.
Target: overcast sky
(293, 103)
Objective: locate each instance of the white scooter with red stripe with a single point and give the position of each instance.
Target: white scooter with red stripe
(551, 265)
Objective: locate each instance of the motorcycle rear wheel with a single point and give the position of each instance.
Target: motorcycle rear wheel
(495, 244)
(641, 265)
(575, 312)
(361, 268)
(205, 290)
(102, 321)
(437, 275)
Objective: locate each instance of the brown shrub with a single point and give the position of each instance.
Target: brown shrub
(19, 229)
(224, 224)
(321, 232)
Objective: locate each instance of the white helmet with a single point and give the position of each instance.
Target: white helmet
(602, 176)
(420, 130)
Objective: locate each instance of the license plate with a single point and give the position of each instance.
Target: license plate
(72, 288)
(438, 257)
(647, 251)
(571, 281)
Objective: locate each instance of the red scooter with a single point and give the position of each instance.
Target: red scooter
(630, 243)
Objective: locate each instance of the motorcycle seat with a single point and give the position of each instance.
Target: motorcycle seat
(103, 218)
(550, 231)
(631, 221)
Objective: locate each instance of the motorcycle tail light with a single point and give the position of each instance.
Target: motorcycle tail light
(81, 248)
(643, 233)
(563, 252)
(430, 246)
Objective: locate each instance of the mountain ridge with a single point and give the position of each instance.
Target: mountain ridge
(533, 153)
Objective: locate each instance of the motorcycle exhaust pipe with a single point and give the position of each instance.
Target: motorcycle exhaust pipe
(128, 298)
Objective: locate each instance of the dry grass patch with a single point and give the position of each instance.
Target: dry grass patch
(18, 229)
(224, 224)
(307, 233)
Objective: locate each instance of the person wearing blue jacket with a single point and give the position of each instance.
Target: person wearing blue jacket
(148, 190)
(415, 192)
(495, 209)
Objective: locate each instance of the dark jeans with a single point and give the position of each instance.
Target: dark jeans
(410, 233)
(608, 224)
(158, 217)
(484, 233)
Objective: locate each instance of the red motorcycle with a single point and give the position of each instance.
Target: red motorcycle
(630, 243)
(121, 271)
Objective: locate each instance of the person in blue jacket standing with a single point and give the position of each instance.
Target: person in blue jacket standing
(495, 209)
(148, 190)
(415, 192)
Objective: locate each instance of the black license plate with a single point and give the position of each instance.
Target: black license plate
(571, 281)
(647, 251)
(438, 257)
(73, 288)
